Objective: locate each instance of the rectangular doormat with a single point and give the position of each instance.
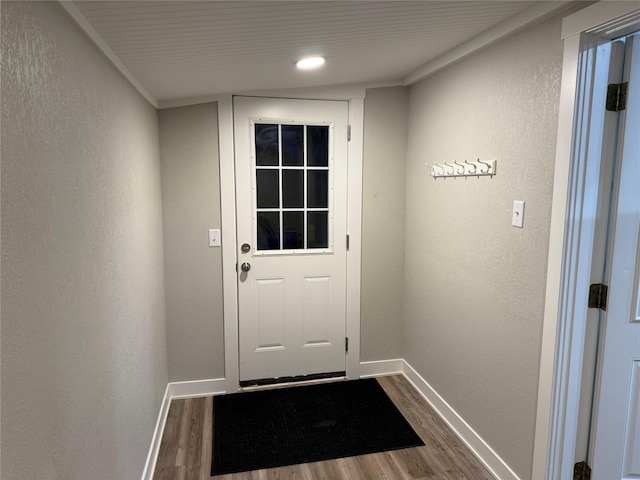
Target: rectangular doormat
(289, 426)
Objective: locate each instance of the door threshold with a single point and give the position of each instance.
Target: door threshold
(283, 381)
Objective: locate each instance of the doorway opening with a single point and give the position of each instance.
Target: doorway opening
(296, 237)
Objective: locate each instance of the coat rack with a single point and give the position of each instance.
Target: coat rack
(463, 169)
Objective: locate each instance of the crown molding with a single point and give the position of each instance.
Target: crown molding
(537, 12)
(99, 42)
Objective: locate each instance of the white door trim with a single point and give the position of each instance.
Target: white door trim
(562, 339)
(354, 230)
(229, 242)
(355, 97)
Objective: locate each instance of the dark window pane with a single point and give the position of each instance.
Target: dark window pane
(293, 227)
(268, 231)
(268, 186)
(317, 188)
(317, 146)
(317, 230)
(293, 145)
(292, 188)
(266, 145)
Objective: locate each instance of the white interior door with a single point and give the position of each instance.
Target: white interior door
(291, 187)
(616, 422)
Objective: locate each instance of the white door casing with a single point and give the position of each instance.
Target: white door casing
(292, 278)
(569, 259)
(616, 422)
(354, 95)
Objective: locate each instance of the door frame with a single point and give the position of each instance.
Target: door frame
(355, 97)
(571, 244)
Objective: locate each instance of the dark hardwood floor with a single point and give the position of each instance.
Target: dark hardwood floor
(185, 451)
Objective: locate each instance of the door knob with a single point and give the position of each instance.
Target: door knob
(245, 267)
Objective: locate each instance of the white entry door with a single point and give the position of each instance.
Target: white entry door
(291, 188)
(616, 423)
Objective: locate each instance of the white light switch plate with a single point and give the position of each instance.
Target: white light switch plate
(214, 237)
(517, 218)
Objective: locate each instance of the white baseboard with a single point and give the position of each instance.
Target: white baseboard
(462, 429)
(175, 390)
(152, 457)
(380, 368)
(197, 388)
(217, 386)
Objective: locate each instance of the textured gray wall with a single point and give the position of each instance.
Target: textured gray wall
(83, 323)
(191, 205)
(474, 285)
(385, 149)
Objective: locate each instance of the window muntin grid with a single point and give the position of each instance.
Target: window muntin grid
(292, 187)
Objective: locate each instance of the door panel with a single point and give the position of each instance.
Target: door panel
(616, 437)
(269, 313)
(291, 184)
(317, 311)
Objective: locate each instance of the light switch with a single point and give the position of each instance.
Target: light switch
(517, 218)
(214, 237)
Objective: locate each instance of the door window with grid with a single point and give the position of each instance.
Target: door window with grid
(292, 186)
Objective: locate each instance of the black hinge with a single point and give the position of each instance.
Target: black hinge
(581, 471)
(347, 242)
(598, 296)
(348, 133)
(346, 344)
(617, 97)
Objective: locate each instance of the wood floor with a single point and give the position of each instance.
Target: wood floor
(185, 451)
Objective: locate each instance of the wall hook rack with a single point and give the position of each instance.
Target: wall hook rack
(478, 168)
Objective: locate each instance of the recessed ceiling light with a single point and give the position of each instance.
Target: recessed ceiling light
(310, 63)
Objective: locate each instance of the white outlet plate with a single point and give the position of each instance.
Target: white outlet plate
(517, 217)
(214, 237)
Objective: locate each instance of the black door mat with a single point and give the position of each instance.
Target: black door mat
(289, 426)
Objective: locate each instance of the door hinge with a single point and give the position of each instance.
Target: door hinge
(346, 344)
(617, 97)
(581, 471)
(348, 133)
(347, 242)
(598, 296)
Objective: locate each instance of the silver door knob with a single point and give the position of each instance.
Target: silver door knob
(245, 267)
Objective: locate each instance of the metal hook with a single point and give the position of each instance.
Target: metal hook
(453, 170)
(487, 164)
(461, 172)
(473, 165)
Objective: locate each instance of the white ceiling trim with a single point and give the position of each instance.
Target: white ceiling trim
(535, 13)
(84, 24)
(330, 92)
(184, 102)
